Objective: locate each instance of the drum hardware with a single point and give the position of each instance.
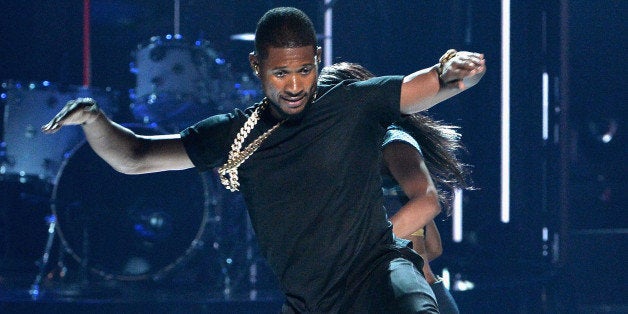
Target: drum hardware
(145, 228)
(240, 261)
(234, 259)
(179, 83)
(28, 106)
(59, 271)
(172, 79)
(35, 290)
(23, 207)
(148, 220)
(251, 37)
(30, 159)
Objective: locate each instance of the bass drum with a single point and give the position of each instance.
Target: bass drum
(28, 106)
(129, 227)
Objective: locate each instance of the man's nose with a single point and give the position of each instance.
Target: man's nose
(294, 86)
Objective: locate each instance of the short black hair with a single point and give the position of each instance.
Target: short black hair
(283, 27)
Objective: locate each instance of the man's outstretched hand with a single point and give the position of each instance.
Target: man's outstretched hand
(80, 111)
(464, 69)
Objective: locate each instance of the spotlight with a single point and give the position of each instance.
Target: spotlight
(603, 131)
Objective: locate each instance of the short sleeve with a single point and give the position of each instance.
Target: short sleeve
(397, 134)
(207, 142)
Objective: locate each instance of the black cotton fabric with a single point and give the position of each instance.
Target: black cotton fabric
(313, 188)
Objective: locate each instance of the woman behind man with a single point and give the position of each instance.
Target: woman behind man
(419, 155)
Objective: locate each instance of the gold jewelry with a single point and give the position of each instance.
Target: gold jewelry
(419, 233)
(237, 156)
(450, 54)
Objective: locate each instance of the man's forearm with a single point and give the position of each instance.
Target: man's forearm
(114, 143)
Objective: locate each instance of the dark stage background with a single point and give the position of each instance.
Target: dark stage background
(572, 183)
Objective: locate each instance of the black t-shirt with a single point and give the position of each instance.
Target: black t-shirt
(394, 196)
(313, 188)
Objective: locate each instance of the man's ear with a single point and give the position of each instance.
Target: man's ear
(319, 53)
(254, 63)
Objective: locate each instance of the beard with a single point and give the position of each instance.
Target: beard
(295, 117)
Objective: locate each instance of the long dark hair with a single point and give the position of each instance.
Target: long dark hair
(440, 143)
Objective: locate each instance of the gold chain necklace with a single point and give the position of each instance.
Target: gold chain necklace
(229, 171)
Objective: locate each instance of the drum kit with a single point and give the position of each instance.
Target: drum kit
(177, 82)
(117, 227)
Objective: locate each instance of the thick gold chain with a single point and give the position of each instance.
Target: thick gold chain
(229, 171)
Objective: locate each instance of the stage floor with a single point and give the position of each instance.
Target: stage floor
(182, 294)
(128, 297)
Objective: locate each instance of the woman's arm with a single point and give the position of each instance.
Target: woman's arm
(408, 168)
(433, 244)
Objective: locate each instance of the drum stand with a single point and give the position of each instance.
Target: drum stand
(5, 243)
(251, 260)
(235, 253)
(250, 265)
(4, 221)
(43, 263)
(35, 289)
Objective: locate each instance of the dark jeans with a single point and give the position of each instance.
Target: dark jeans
(446, 302)
(396, 287)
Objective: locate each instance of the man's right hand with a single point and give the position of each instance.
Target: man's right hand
(78, 111)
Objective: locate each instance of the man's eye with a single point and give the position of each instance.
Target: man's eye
(280, 74)
(306, 71)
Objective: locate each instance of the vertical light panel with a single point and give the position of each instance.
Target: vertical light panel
(545, 104)
(327, 60)
(505, 122)
(87, 53)
(457, 216)
(177, 17)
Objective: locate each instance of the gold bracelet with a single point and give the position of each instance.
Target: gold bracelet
(444, 59)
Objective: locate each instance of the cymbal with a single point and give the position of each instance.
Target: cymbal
(243, 37)
(251, 36)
